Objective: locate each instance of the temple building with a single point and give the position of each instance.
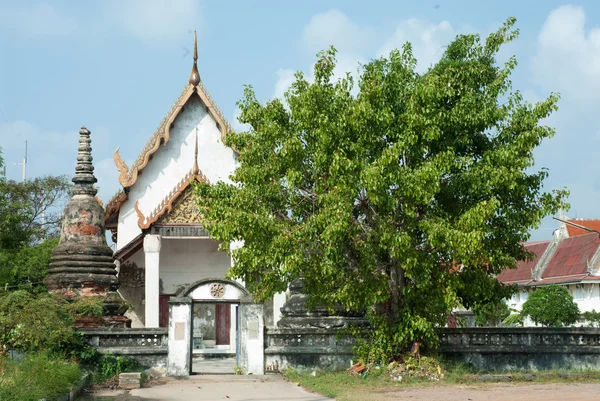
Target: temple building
(570, 259)
(162, 250)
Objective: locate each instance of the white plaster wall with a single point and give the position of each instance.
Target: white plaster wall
(203, 293)
(180, 332)
(185, 261)
(172, 162)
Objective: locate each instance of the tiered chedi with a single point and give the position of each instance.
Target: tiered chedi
(82, 263)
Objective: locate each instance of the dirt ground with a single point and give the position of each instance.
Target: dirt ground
(486, 392)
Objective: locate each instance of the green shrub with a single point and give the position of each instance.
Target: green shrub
(87, 306)
(38, 322)
(592, 318)
(36, 377)
(551, 306)
(491, 313)
(111, 365)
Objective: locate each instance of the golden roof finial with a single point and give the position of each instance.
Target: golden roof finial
(196, 169)
(195, 75)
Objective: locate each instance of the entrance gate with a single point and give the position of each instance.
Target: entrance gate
(215, 318)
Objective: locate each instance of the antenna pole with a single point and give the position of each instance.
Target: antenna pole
(25, 163)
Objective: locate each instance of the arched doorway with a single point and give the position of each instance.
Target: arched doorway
(214, 324)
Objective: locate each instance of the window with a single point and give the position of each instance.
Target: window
(578, 292)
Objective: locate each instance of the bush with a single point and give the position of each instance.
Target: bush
(551, 306)
(36, 377)
(38, 322)
(592, 318)
(491, 313)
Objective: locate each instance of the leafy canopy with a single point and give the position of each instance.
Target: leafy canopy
(551, 306)
(30, 215)
(404, 198)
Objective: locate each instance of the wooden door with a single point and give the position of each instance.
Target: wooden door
(222, 323)
(163, 310)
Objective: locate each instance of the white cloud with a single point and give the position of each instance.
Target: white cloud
(236, 125)
(155, 21)
(356, 44)
(428, 40)
(285, 78)
(567, 58)
(335, 28)
(40, 19)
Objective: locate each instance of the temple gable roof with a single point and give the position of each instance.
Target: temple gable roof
(129, 175)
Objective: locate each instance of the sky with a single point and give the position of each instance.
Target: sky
(117, 66)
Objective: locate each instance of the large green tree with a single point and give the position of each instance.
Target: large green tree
(403, 198)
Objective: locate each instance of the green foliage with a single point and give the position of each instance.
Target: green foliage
(592, 318)
(551, 306)
(30, 215)
(26, 267)
(87, 306)
(31, 211)
(36, 377)
(404, 199)
(239, 370)
(515, 318)
(38, 322)
(111, 365)
(491, 313)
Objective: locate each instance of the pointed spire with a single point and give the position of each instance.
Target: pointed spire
(84, 171)
(195, 75)
(196, 169)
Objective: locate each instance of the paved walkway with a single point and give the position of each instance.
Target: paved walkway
(217, 387)
(213, 365)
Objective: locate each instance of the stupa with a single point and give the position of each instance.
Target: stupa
(82, 264)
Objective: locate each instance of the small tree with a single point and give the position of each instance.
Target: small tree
(551, 306)
(490, 313)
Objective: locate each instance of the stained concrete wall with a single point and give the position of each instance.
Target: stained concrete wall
(180, 337)
(252, 328)
(523, 348)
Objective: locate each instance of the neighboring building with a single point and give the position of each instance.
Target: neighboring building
(570, 259)
(162, 250)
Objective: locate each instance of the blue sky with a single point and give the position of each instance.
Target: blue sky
(117, 67)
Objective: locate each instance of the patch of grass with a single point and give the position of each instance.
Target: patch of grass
(337, 384)
(35, 377)
(345, 387)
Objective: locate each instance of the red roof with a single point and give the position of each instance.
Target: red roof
(522, 274)
(572, 256)
(575, 278)
(589, 223)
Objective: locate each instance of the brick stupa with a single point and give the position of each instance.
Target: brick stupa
(82, 264)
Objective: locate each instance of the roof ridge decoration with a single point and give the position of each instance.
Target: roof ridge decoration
(128, 176)
(166, 205)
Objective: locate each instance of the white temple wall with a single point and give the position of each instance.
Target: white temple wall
(172, 162)
(185, 261)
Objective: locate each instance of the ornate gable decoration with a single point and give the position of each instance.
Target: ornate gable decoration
(184, 211)
(180, 200)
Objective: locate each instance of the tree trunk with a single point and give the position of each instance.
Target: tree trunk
(396, 289)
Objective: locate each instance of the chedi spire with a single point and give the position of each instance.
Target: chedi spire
(195, 75)
(82, 263)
